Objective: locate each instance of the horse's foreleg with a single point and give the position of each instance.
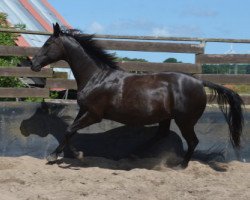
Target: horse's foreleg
(54, 155)
(81, 121)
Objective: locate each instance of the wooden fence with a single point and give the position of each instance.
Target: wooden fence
(129, 43)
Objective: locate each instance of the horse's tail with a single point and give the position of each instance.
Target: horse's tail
(232, 113)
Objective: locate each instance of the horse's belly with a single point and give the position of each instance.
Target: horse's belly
(133, 116)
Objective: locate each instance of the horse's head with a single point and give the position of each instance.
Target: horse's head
(50, 52)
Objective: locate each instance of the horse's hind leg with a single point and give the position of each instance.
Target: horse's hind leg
(163, 131)
(187, 130)
(164, 127)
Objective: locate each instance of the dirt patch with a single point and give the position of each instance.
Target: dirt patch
(97, 178)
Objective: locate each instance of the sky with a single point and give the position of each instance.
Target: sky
(184, 18)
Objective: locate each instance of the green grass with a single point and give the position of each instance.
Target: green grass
(241, 89)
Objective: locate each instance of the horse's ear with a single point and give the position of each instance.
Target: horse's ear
(56, 29)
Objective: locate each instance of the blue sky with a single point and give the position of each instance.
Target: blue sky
(187, 18)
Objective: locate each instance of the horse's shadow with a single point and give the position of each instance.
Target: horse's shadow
(117, 147)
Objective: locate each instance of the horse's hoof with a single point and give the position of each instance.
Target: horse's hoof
(52, 158)
(79, 155)
(184, 165)
(179, 166)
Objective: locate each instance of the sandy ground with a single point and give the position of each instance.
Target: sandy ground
(98, 178)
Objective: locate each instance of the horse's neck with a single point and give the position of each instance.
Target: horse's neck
(82, 66)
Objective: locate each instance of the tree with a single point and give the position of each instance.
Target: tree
(8, 39)
(171, 60)
(131, 59)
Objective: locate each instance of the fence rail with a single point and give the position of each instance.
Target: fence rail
(132, 43)
(130, 37)
(115, 45)
(24, 92)
(25, 72)
(223, 58)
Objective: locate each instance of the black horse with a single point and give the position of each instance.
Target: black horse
(107, 92)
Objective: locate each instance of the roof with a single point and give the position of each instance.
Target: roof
(37, 15)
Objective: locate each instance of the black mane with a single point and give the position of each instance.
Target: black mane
(97, 53)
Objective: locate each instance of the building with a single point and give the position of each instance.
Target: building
(37, 15)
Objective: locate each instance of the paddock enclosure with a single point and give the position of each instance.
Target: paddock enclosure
(35, 128)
